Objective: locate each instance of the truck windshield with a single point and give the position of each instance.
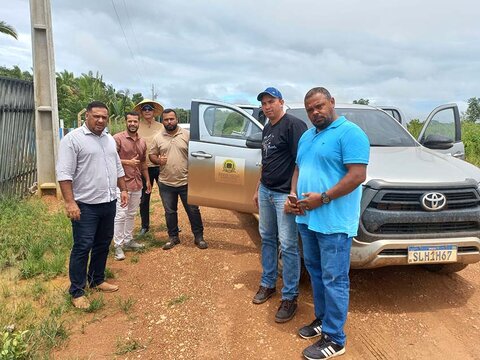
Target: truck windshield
(381, 129)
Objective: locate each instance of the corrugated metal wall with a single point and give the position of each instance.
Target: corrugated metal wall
(18, 165)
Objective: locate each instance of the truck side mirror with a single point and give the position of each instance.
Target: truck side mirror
(437, 142)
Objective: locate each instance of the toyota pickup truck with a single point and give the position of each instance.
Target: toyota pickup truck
(419, 206)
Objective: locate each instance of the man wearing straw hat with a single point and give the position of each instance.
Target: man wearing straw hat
(147, 130)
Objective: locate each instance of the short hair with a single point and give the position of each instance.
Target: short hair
(96, 104)
(318, 90)
(132, 113)
(167, 111)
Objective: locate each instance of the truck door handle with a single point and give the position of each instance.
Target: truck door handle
(201, 154)
(459, 155)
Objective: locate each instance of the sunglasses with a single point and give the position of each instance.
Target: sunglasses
(147, 108)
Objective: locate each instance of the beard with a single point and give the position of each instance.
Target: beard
(132, 129)
(322, 122)
(171, 127)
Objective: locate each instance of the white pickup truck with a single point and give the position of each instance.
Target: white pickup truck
(419, 206)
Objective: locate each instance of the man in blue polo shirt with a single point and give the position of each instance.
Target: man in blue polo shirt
(332, 163)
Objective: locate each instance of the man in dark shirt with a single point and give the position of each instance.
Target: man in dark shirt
(279, 151)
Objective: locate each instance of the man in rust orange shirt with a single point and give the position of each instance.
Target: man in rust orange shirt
(132, 150)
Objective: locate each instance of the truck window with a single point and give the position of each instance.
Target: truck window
(221, 122)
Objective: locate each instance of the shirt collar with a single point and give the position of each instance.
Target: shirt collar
(339, 121)
(127, 135)
(179, 131)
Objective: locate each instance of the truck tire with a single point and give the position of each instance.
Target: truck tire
(445, 268)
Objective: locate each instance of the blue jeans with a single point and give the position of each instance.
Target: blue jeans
(327, 259)
(169, 195)
(92, 235)
(278, 228)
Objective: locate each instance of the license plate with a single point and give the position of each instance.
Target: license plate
(432, 254)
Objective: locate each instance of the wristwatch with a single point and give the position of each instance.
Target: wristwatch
(325, 198)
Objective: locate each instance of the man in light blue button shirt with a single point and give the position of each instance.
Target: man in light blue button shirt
(89, 171)
(332, 163)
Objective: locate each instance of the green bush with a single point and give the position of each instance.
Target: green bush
(471, 139)
(13, 345)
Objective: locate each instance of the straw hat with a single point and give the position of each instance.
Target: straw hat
(158, 108)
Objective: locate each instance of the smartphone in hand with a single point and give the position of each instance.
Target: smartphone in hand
(292, 199)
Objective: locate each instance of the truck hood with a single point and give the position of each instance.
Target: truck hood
(417, 165)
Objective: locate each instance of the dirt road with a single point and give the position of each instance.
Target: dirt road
(196, 304)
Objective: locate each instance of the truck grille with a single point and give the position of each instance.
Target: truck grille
(396, 213)
(426, 228)
(397, 200)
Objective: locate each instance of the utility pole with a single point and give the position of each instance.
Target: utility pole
(154, 95)
(45, 94)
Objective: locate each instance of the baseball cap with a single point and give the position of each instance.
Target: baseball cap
(270, 91)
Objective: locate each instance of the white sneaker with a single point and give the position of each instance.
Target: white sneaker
(133, 245)
(119, 255)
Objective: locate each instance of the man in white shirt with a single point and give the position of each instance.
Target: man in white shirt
(89, 171)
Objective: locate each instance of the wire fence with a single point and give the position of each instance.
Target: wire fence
(18, 165)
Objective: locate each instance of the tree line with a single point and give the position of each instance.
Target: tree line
(75, 92)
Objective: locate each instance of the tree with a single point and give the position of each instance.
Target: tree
(7, 29)
(74, 93)
(473, 111)
(136, 98)
(183, 115)
(361, 101)
(414, 127)
(16, 73)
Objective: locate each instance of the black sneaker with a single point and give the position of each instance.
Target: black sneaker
(324, 348)
(201, 244)
(312, 330)
(286, 311)
(173, 240)
(263, 294)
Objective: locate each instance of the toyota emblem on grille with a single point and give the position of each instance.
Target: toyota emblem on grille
(433, 201)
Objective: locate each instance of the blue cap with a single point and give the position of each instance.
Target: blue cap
(270, 91)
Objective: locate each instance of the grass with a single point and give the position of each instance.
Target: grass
(96, 304)
(35, 243)
(179, 300)
(52, 330)
(125, 305)
(149, 239)
(39, 242)
(37, 290)
(34, 246)
(127, 346)
(109, 274)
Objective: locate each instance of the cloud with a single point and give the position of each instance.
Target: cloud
(412, 54)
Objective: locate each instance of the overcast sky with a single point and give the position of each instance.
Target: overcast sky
(409, 53)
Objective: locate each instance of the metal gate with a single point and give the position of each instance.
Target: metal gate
(18, 165)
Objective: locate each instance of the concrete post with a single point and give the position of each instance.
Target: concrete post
(45, 94)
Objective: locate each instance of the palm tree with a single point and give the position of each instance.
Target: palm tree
(7, 29)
